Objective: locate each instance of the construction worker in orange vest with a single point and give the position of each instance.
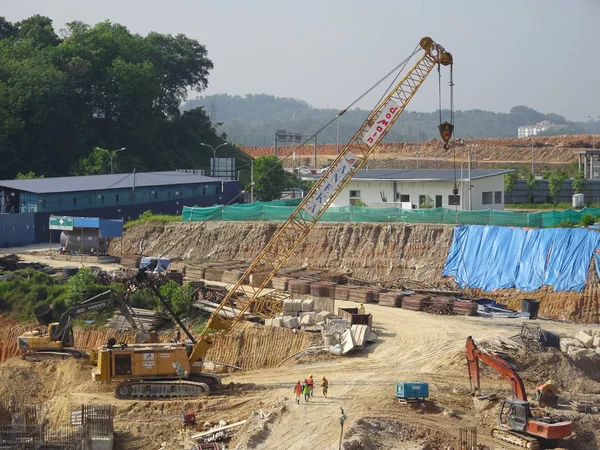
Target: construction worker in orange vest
(298, 392)
(311, 384)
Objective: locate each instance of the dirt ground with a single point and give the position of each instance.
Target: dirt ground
(412, 346)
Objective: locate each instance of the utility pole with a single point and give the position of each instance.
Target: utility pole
(593, 120)
(470, 202)
(252, 181)
(532, 152)
(337, 135)
(418, 139)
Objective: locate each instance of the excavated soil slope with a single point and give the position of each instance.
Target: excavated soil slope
(552, 151)
(373, 251)
(370, 250)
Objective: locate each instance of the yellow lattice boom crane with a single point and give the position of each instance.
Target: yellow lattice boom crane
(154, 370)
(291, 234)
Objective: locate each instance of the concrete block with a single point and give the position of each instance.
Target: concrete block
(596, 332)
(288, 305)
(566, 343)
(308, 305)
(585, 339)
(297, 305)
(576, 351)
(598, 351)
(307, 320)
(277, 322)
(268, 322)
(596, 341)
(323, 316)
(291, 322)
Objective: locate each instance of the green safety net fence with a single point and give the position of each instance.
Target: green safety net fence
(281, 210)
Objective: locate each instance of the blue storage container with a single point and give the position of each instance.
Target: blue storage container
(409, 390)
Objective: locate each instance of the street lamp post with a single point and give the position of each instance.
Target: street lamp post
(337, 135)
(111, 155)
(214, 154)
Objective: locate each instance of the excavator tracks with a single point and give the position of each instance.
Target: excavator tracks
(52, 355)
(153, 389)
(516, 439)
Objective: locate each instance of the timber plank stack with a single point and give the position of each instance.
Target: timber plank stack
(300, 286)
(132, 261)
(176, 276)
(323, 289)
(363, 295)
(389, 298)
(257, 279)
(233, 274)
(280, 282)
(438, 305)
(414, 302)
(342, 293)
(464, 307)
(195, 272)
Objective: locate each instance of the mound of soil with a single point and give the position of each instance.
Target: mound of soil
(377, 433)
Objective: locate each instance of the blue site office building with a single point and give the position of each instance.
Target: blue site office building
(27, 204)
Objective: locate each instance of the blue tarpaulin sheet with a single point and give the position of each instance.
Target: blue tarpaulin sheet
(490, 257)
(161, 266)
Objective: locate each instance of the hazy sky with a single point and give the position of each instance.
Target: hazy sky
(539, 53)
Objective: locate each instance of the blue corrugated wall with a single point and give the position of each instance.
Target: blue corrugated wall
(17, 229)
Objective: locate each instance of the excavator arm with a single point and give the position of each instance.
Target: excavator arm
(62, 332)
(476, 353)
(291, 234)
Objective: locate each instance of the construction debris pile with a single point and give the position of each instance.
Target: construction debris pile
(145, 319)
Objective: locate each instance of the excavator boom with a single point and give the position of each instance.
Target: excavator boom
(475, 353)
(291, 234)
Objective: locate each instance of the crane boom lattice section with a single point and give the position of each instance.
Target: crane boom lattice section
(242, 297)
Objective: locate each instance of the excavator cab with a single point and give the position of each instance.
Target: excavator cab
(515, 414)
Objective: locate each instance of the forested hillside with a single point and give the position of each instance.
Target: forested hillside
(252, 120)
(64, 94)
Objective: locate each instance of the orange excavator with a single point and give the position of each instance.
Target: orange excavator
(517, 426)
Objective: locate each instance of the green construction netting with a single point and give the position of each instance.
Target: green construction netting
(282, 209)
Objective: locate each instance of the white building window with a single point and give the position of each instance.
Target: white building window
(497, 197)
(487, 198)
(454, 200)
(354, 194)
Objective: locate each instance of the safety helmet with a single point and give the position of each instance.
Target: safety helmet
(310, 375)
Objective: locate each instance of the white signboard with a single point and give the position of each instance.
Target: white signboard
(383, 120)
(328, 186)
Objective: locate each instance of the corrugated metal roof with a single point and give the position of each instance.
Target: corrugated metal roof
(104, 182)
(423, 174)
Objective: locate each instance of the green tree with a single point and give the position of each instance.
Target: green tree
(103, 86)
(531, 184)
(427, 203)
(26, 176)
(96, 163)
(180, 297)
(579, 183)
(271, 178)
(83, 285)
(555, 183)
(510, 180)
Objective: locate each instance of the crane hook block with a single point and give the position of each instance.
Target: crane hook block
(446, 129)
